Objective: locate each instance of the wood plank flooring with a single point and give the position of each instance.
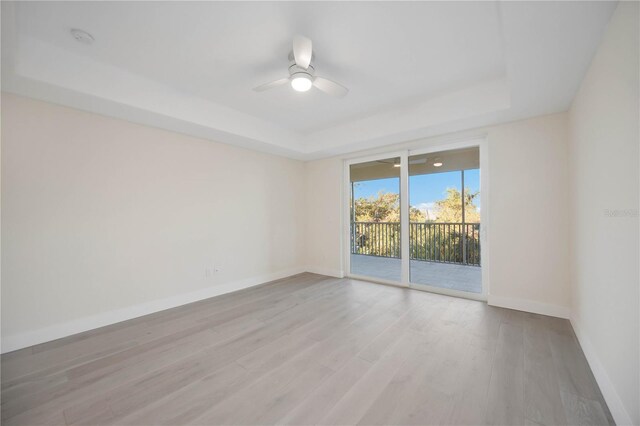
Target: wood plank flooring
(310, 350)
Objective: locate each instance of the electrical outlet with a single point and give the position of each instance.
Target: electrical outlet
(210, 271)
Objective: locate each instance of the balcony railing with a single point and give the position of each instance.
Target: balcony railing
(434, 242)
(376, 238)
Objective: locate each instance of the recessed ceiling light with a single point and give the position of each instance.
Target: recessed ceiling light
(82, 36)
(301, 82)
(437, 162)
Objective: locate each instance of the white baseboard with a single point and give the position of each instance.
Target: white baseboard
(325, 271)
(529, 306)
(57, 331)
(619, 413)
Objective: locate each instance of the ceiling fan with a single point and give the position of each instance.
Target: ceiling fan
(302, 72)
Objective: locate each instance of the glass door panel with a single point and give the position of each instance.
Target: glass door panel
(444, 220)
(375, 243)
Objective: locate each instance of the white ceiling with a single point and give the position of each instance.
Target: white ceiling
(413, 68)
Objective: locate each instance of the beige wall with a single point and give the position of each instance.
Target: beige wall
(323, 236)
(529, 221)
(103, 219)
(528, 217)
(85, 195)
(604, 150)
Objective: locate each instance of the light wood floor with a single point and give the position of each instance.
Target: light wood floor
(310, 350)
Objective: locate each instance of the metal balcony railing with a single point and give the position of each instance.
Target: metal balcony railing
(434, 242)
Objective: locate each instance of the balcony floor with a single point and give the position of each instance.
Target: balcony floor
(443, 275)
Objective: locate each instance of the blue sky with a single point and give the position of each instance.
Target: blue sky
(423, 189)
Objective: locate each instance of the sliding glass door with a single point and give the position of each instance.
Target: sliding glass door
(444, 234)
(415, 220)
(375, 229)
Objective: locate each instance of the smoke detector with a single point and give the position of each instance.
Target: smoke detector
(82, 36)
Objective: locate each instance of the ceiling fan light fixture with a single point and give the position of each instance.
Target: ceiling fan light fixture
(301, 82)
(302, 72)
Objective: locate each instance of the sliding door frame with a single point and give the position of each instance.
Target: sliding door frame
(346, 237)
(482, 144)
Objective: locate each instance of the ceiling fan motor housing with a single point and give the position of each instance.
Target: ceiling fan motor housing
(295, 69)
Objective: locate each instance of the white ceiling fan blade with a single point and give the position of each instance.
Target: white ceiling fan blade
(271, 85)
(330, 87)
(418, 161)
(302, 51)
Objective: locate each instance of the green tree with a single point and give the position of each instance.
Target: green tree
(385, 207)
(449, 209)
(417, 216)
